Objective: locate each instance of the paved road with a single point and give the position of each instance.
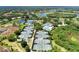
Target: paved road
(30, 42)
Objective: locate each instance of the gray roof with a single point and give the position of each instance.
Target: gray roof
(42, 44)
(42, 36)
(27, 33)
(48, 26)
(30, 21)
(41, 32)
(38, 47)
(24, 36)
(41, 41)
(26, 29)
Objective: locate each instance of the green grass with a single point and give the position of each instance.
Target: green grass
(66, 37)
(58, 48)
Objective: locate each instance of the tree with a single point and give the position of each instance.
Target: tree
(21, 26)
(38, 26)
(27, 48)
(12, 37)
(23, 43)
(17, 32)
(1, 38)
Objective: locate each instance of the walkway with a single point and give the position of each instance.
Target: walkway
(31, 40)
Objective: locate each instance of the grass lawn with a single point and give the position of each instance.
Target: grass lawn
(74, 39)
(66, 37)
(58, 47)
(14, 45)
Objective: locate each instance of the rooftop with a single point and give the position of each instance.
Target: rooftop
(48, 26)
(21, 21)
(41, 41)
(42, 15)
(42, 47)
(27, 33)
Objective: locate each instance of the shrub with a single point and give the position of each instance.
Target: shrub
(12, 38)
(23, 44)
(27, 49)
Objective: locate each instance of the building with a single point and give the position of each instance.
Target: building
(26, 34)
(42, 15)
(77, 15)
(42, 42)
(48, 26)
(21, 21)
